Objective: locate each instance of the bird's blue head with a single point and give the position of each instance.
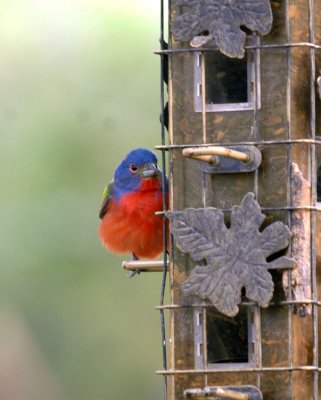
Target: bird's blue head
(136, 169)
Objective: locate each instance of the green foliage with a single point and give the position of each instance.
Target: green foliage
(79, 90)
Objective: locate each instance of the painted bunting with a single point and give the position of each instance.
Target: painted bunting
(128, 220)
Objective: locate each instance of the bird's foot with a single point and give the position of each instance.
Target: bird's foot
(131, 274)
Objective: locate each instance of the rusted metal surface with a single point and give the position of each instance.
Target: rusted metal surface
(301, 233)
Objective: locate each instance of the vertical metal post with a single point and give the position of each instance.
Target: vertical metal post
(257, 311)
(289, 199)
(163, 285)
(204, 133)
(313, 174)
(204, 199)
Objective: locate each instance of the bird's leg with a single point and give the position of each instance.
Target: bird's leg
(131, 274)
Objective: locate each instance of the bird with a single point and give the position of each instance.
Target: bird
(128, 221)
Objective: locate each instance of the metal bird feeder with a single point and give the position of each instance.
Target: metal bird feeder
(241, 130)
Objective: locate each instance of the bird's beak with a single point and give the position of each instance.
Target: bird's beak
(150, 170)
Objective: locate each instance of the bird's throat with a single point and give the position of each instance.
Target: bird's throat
(150, 184)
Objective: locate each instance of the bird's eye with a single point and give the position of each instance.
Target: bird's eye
(133, 168)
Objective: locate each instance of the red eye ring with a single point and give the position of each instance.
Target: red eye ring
(133, 168)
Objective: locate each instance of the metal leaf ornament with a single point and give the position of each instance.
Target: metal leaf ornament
(222, 19)
(235, 256)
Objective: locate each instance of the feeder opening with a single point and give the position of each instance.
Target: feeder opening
(229, 82)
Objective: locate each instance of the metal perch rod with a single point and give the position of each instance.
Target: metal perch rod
(214, 393)
(206, 153)
(144, 266)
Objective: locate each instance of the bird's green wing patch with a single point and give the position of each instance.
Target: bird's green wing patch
(107, 195)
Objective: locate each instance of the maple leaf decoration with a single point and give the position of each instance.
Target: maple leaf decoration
(235, 256)
(222, 19)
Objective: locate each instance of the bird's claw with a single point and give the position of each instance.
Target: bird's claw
(131, 274)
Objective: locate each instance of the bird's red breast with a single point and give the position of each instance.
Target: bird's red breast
(131, 226)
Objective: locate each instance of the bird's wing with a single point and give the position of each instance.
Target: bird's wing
(107, 196)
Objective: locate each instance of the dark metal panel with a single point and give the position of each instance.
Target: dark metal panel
(182, 382)
(222, 196)
(187, 178)
(273, 176)
(275, 386)
(300, 93)
(275, 343)
(187, 125)
(272, 117)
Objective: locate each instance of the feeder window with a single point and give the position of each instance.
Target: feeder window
(225, 341)
(229, 82)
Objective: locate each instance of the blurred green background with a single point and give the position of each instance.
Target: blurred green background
(79, 89)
